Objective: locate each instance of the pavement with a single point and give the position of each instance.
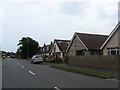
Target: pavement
(23, 74)
(114, 73)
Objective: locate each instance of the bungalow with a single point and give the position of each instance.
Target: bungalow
(59, 47)
(83, 44)
(112, 45)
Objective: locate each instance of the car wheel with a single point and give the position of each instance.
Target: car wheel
(32, 62)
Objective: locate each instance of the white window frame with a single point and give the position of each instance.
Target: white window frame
(76, 43)
(71, 53)
(47, 48)
(116, 49)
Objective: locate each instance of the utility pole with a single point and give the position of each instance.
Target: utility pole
(28, 48)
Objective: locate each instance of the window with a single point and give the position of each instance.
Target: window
(47, 48)
(80, 53)
(76, 43)
(113, 51)
(71, 53)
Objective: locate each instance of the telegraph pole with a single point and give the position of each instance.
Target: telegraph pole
(28, 48)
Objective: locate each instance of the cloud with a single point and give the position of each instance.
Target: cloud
(46, 20)
(1, 19)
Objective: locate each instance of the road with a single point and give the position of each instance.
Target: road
(23, 74)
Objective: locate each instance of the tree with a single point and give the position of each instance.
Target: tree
(27, 47)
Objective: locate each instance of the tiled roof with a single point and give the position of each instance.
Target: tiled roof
(92, 41)
(62, 44)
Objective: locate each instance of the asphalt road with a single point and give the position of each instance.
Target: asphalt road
(23, 74)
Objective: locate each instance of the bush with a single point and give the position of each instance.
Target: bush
(52, 59)
(47, 59)
(44, 57)
(58, 60)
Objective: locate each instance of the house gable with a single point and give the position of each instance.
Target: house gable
(55, 48)
(112, 41)
(111, 35)
(76, 44)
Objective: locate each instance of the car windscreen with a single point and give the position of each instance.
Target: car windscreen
(37, 56)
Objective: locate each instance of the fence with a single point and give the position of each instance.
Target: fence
(106, 62)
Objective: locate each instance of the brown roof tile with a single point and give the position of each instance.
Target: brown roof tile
(92, 41)
(62, 44)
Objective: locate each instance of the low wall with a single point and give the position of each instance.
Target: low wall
(106, 62)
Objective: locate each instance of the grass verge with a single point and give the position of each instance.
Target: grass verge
(96, 74)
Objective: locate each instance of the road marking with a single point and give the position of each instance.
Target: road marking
(57, 88)
(112, 79)
(18, 64)
(31, 73)
(22, 66)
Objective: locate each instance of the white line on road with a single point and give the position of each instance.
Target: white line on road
(112, 79)
(22, 66)
(31, 73)
(57, 88)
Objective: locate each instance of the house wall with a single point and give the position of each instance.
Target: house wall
(95, 52)
(97, 61)
(119, 40)
(113, 42)
(57, 48)
(73, 48)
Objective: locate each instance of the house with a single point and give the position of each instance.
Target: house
(46, 49)
(83, 44)
(59, 47)
(112, 45)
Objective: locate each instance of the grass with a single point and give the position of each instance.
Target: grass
(101, 75)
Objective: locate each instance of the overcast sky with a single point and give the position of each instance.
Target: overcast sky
(46, 20)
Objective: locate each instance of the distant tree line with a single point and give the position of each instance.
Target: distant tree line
(27, 48)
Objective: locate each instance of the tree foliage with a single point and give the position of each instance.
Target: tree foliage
(27, 47)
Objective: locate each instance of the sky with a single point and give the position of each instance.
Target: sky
(46, 20)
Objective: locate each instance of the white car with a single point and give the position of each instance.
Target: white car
(37, 59)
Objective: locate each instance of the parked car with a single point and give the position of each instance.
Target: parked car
(3, 57)
(37, 59)
(13, 55)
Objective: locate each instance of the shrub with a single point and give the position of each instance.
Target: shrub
(58, 60)
(52, 59)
